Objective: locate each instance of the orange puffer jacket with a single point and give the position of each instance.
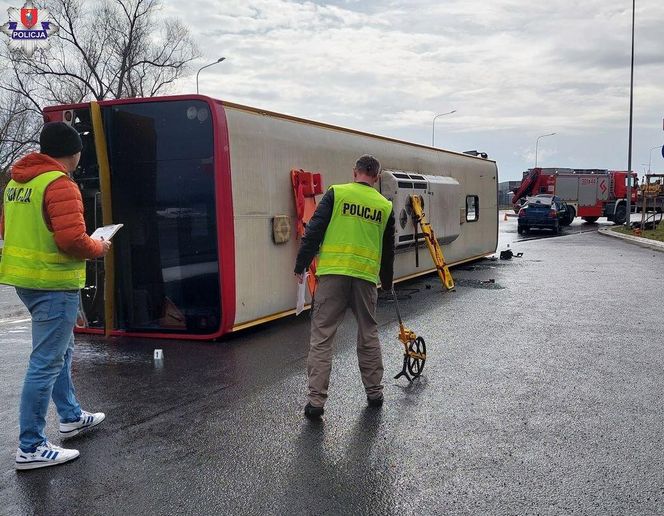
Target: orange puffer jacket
(63, 207)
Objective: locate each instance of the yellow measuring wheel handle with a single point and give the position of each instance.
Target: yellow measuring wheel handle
(406, 335)
(430, 239)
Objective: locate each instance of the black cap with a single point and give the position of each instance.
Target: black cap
(58, 139)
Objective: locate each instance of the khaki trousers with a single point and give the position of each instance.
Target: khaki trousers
(334, 294)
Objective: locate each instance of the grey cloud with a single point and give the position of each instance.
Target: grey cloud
(511, 68)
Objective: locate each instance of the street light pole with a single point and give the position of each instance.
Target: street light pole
(650, 158)
(204, 67)
(537, 145)
(433, 125)
(628, 214)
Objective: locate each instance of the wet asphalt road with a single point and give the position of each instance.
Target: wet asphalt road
(542, 394)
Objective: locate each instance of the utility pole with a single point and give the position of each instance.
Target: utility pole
(628, 215)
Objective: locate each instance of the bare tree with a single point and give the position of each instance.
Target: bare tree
(116, 49)
(120, 48)
(18, 133)
(103, 49)
(19, 130)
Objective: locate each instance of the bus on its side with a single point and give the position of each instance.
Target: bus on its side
(197, 184)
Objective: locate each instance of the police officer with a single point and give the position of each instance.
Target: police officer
(44, 258)
(353, 227)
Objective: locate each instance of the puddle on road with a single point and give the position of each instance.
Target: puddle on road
(473, 283)
(481, 267)
(489, 264)
(101, 355)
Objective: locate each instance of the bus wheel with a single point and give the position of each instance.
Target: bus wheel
(590, 220)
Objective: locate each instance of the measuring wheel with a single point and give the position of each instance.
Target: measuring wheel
(414, 349)
(417, 356)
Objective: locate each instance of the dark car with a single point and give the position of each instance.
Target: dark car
(543, 212)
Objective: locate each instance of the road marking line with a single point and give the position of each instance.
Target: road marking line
(9, 321)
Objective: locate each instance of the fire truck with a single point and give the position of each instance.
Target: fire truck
(589, 193)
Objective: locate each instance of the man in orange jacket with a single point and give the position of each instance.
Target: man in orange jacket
(44, 255)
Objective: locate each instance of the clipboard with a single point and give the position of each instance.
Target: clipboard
(106, 232)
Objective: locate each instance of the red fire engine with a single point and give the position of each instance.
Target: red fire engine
(589, 193)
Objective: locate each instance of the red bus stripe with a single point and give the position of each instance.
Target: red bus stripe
(225, 219)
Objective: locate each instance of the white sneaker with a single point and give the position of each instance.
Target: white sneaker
(87, 420)
(45, 455)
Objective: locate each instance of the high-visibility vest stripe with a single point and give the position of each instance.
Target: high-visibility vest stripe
(371, 254)
(339, 264)
(30, 254)
(39, 275)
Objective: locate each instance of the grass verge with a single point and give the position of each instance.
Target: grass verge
(655, 234)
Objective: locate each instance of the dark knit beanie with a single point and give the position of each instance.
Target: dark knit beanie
(58, 139)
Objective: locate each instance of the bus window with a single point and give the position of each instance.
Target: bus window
(472, 208)
(162, 177)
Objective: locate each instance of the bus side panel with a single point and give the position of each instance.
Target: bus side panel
(263, 150)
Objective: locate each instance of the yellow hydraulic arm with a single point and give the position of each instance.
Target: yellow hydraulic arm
(432, 243)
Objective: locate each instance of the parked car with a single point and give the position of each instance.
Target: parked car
(543, 212)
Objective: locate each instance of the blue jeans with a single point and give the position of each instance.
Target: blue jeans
(49, 371)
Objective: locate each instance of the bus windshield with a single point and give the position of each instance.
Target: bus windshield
(163, 191)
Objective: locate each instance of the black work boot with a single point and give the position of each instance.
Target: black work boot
(312, 412)
(375, 402)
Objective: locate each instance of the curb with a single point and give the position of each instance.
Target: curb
(643, 242)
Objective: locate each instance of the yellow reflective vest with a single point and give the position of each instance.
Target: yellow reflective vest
(353, 241)
(30, 258)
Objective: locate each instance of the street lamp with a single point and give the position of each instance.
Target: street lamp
(433, 125)
(650, 158)
(204, 67)
(537, 145)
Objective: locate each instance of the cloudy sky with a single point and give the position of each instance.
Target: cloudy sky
(512, 69)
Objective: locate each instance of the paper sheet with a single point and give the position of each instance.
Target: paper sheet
(301, 293)
(106, 232)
